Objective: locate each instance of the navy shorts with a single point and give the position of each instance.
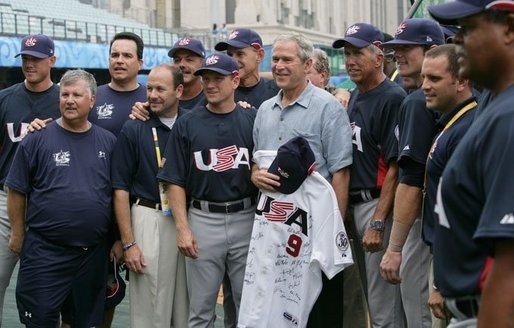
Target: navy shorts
(54, 278)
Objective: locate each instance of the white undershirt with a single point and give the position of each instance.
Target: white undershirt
(168, 121)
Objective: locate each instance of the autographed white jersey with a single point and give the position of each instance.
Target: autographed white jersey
(294, 237)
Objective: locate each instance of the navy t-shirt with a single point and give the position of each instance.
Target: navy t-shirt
(210, 154)
(258, 93)
(66, 178)
(442, 149)
(417, 128)
(112, 108)
(476, 199)
(198, 100)
(134, 159)
(19, 107)
(374, 118)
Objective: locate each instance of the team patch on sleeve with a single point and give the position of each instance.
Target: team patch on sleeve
(342, 242)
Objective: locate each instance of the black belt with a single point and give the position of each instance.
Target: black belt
(463, 307)
(364, 195)
(229, 207)
(147, 203)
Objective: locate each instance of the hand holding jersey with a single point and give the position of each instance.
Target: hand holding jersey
(297, 233)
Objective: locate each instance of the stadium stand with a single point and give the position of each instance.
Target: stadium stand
(73, 20)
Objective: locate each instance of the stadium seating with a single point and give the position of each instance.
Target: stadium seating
(71, 19)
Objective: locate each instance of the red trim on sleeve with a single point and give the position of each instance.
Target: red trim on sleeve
(381, 170)
(485, 271)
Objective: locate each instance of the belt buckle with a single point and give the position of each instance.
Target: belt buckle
(227, 208)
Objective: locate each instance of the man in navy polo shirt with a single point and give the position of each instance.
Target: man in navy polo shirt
(373, 112)
(62, 246)
(245, 46)
(19, 105)
(451, 96)
(474, 201)
(158, 295)
(208, 160)
(407, 258)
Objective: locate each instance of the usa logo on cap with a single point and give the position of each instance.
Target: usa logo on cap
(212, 60)
(352, 30)
(30, 42)
(184, 42)
(401, 28)
(233, 35)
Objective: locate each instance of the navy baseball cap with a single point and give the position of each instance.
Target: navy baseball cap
(116, 287)
(449, 32)
(360, 35)
(190, 44)
(294, 162)
(450, 12)
(241, 38)
(219, 63)
(38, 45)
(417, 31)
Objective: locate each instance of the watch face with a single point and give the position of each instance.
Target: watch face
(377, 225)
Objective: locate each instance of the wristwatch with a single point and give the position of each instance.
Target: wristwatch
(128, 245)
(377, 225)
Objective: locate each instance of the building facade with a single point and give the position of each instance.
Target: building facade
(319, 20)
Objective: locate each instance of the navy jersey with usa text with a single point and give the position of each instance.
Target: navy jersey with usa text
(476, 199)
(19, 107)
(442, 149)
(374, 119)
(258, 93)
(417, 128)
(210, 154)
(112, 108)
(66, 178)
(134, 160)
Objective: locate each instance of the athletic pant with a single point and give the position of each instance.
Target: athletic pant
(355, 305)
(7, 258)
(414, 274)
(158, 297)
(223, 241)
(384, 299)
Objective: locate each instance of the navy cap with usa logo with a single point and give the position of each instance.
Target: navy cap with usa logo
(219, 63)
(193, 45)
(37, 45)
(449, 12)
(360, 35)
(294, 162)
(241, 38)
(417, 31)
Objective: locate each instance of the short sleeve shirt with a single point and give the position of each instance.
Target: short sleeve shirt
(134, 161)
(417, 127)
(210, 154)
(258, 93)
(112, 108)
(442, 149)
(374, 120)
(66, 178)
(316, 116)
(19, 107)
(295, 237)
(476, 198)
